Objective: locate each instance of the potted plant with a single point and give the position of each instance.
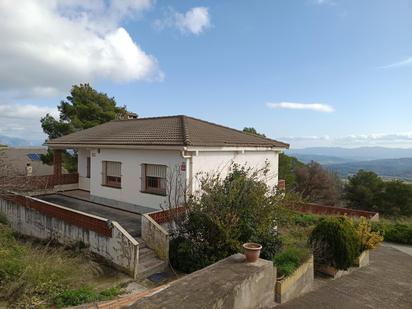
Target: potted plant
(252, 251)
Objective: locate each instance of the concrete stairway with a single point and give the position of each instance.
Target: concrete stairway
(149, 263)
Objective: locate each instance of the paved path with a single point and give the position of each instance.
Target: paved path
(386, 283)
(131, 222)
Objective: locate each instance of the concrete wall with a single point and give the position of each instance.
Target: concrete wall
(120, 249)
(84, 182)
(229, 283)
(297, 284)
(155, 237)
(219, 162)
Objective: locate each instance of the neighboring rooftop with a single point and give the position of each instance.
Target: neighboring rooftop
(13, 161)
(164, 131)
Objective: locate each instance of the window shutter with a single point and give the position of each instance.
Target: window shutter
(113, 169)
(103, 172)
(143, 177)
(88, 167)
(156, 171)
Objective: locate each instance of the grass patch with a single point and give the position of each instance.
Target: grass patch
(84, 295)
(294, 236)
(290, 259)
(397, 230)
(33, 274)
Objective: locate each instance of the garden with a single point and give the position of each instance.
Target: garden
(239, 208)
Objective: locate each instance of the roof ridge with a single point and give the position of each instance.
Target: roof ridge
(236, 130)
(185, 132)
(148, 118)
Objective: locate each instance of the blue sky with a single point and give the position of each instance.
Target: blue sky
(229, 59)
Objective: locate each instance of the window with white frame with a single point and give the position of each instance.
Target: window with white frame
(154, 178)
(111, 174)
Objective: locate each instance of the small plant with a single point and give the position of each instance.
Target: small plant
(290, 259)
(335, 242)
(368, 238)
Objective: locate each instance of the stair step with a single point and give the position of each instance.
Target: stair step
(142, 243)
(149, 263)
(146, 252)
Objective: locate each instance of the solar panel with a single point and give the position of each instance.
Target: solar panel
(34, 156)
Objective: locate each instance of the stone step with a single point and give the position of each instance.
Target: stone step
(149, 263)
(142, 243)
(146, 252)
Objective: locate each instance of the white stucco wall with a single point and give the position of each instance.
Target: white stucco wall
(199, 163)
(131, 160)
(220, 161)
(84, 182)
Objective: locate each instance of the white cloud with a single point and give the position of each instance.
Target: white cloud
(317, 107)
(46, 46)
(194, 21)
(403, 139)
(23, 120)
(403, 63)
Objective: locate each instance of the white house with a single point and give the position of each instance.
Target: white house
(132, 164)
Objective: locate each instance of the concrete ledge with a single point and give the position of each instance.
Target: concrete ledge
(299, 283)
(229, 283)
(362, 261)
(121, 205)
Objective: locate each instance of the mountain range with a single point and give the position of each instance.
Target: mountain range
(386, 162)
(18, 142)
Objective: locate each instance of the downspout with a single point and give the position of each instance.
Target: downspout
(189, 172)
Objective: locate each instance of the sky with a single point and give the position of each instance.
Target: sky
(307, 72)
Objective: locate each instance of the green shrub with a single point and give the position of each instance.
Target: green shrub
(395, 232)
(11, 256)
(335, 242)
(290, 259)
(84, 295)
(230, 211)
(3, 219)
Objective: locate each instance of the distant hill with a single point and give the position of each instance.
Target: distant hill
(389, 168)
(352, 154)
(322, 159)
(18, 142)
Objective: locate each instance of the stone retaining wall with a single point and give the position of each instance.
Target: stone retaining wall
(155, 237)
(230, 284)
(43, 220)
(297, 284)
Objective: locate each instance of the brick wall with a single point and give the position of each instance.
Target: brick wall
(166, 215)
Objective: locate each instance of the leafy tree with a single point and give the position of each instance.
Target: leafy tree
(363, 191)
(252, 130)
(84, 108)
(317, 184)
(287, 167)
(396, 199)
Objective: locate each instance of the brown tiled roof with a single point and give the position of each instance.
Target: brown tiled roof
(164, 131)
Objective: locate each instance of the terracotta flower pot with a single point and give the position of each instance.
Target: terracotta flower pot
(252, 251)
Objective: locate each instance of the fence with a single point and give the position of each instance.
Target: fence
(335, 211)
(25, 183)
